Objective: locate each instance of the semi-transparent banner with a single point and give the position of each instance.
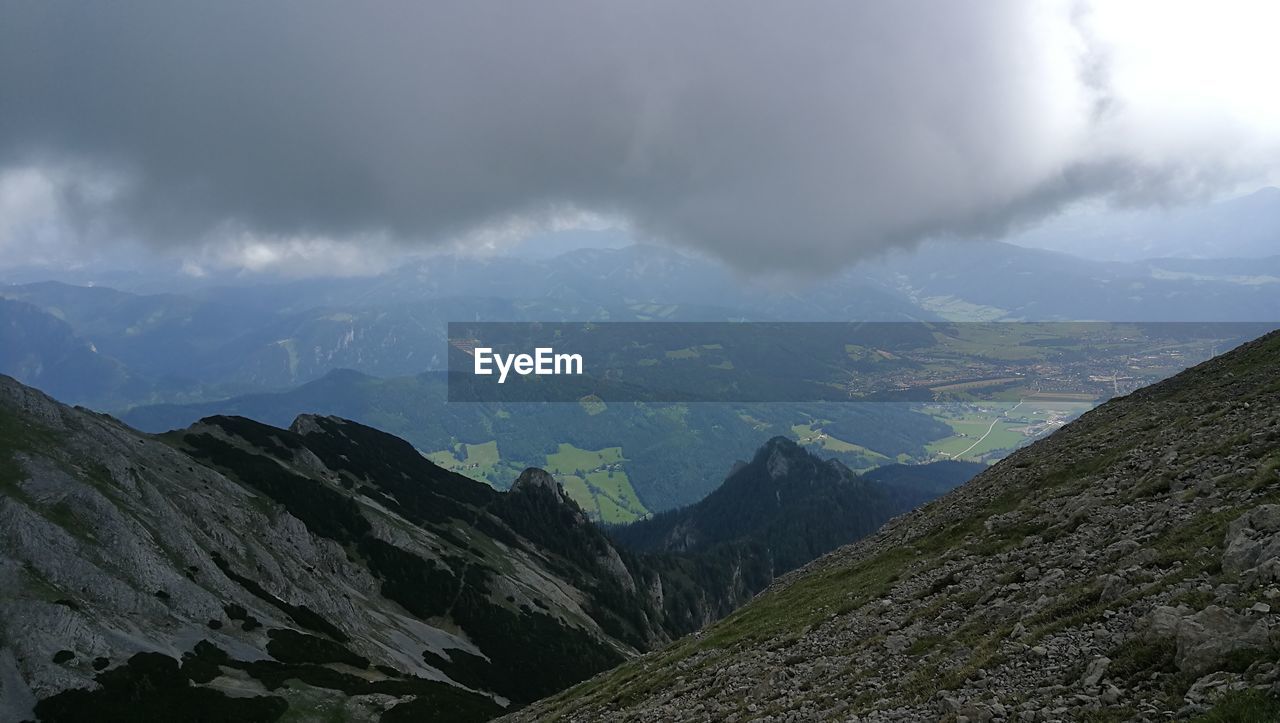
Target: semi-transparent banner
(824, 361)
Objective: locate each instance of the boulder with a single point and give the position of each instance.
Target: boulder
(1252, 540)
(1207, 638)
(1163, 621)
(1094, 672)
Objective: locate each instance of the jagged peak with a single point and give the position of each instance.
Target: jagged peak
(780, 456)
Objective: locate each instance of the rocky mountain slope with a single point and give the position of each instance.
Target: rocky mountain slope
(324, 570)
(239, 571)
(1125, 568)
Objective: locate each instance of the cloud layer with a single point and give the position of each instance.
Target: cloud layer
(773, 135)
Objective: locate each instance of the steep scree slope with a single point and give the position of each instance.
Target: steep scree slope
(1125, 568)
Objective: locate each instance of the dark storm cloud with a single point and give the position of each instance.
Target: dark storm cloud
(796, 135)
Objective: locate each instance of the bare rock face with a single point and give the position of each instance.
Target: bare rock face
(238, 571)
(777, 465)
(201, 570)
(1125, 568)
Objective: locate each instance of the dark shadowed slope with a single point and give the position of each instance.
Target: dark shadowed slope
(792, 506)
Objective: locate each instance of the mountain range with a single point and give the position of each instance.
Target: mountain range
(203, 343)
(1123, 568)
(363, 348)
(669, 455)
(233, 570)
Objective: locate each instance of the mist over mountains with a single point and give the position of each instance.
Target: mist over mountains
(365, 348)
(1246, 226)
(219, 341)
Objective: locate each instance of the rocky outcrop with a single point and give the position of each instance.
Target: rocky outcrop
(1252, 545)
(1125, 568)
(534, 480)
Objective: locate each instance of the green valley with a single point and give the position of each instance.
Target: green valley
(989, 431)
(595, 479)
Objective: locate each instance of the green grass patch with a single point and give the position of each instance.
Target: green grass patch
(1246, 706)
(970, 427)
(1119, 714)
(1268, 473)
(812, 434)
(811, 599)
(569, 459)
(478, 461)
(1137, 659)
(596, 480)
(1183, 543)
(924, 644)
(686, 353)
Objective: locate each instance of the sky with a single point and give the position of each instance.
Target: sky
(331, 137)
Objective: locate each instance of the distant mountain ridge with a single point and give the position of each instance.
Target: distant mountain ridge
(1247, 226)
(221, 341)
(996, 281)
(44, 351)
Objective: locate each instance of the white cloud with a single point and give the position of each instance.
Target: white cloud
(775, 136)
